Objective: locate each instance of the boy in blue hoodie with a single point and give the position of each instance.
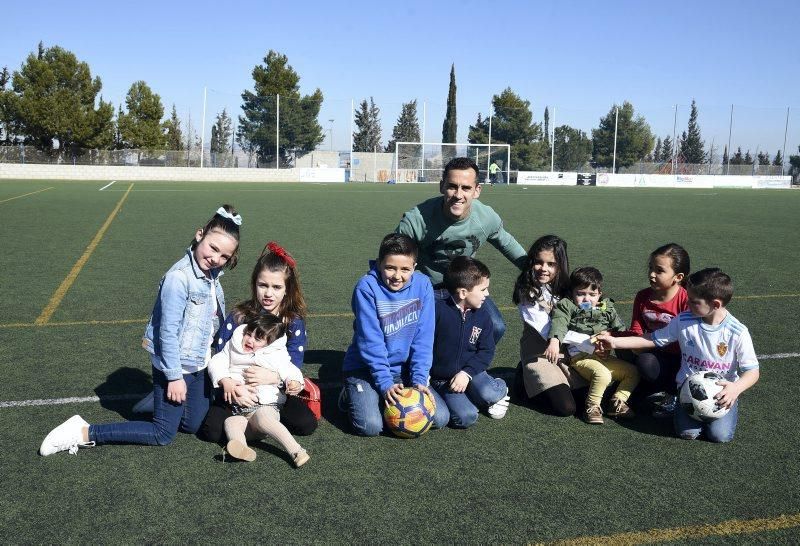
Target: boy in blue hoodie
(392, 335)
(463, 348)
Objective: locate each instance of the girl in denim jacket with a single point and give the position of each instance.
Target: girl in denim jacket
(186, 314)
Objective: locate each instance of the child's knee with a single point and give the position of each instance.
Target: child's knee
(718, 437)
(371, 425)
(465, 418)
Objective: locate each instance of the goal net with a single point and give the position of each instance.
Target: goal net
(425, 161)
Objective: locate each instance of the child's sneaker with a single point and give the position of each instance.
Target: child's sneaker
(300, 458)
(619, 408)
(594, 415)
(498, 409)
(240, 450)
(68, 436)
(665, 409)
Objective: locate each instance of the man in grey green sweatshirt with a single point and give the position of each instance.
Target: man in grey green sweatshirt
(457, 224)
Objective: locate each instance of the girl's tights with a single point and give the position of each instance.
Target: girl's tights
(265, 421)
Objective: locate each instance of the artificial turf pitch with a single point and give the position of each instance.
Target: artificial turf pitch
(527, 478)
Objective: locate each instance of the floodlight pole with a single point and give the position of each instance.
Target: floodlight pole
(277, 129)
(674, 163)
(203, 127)
(352, 107)
(553, 141)
(422, 148)
(489, 149)
(785, 133)
(614, 160)
(730, 131)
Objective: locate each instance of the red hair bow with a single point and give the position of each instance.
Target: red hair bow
(278, 250)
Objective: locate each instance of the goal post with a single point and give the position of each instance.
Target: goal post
(425, 161)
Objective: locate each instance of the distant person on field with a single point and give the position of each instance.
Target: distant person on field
(392, 342)
(457, 224)
(463, 348)
(188, 310)
(711, 339)
(493, 170)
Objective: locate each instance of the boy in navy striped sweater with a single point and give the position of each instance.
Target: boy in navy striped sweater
(463, 348)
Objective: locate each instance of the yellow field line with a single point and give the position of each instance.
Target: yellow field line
(311, 316)
(59, 294)
(26, 194)
(731, 527)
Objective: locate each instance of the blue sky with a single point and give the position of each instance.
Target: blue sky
(579, 57)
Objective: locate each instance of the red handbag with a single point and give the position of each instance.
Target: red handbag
(312, 398)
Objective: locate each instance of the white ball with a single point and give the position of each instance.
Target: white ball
(697, 396)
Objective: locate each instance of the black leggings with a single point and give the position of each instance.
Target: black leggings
(295, 415)
(659, 369)
(556, 400)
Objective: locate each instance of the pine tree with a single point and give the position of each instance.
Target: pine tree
(141, 126)
(666, 149)
(173, 129)
(778, 161)
(407, 127)
(657, 151)
(736, 158)
(449, 127)
(367, 137)
(725, 157)
(763, 158)
(691, 145)
(221, 133)
(748, 159)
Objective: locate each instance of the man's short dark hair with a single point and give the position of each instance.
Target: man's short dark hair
(465, 272)
(711, 284)
(397, 244)
(462, 164)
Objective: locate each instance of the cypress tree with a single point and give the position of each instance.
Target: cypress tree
(449, 127)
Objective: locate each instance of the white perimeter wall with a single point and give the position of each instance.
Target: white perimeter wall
(657, 180)
(105, 172)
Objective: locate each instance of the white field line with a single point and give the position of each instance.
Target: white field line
(107, 185)
(323, 386)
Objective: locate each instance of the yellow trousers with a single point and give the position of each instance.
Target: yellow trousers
(600, 372)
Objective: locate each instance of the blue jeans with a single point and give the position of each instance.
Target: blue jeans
(364, 404)
(168, 417)
(460, 409)
(498, 324)
(720, 430)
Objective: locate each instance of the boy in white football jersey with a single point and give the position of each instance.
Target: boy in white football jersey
(711, 339)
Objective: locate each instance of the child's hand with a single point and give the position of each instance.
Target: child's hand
(425, 390)
(393, 392)
(604, 342)
(228, 388)
(728, 395)
(459, 382)
(176, 391)
(293, 387)
(256, 375)
(601, 350)
(551, 353)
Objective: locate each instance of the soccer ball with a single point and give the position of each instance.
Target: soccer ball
(697, 396)
(411, 416)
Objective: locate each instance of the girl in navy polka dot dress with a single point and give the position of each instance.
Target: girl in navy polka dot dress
(274, 288)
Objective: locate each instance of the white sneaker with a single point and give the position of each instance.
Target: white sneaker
(498, 409)
(145, 405)
(66, 436)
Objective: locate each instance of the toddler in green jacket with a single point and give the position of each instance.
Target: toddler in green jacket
(588, 313)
